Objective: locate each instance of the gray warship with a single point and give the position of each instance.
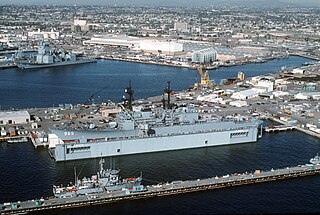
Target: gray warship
(105, 180)
(48, 56)
(152, 130)
(315, 159)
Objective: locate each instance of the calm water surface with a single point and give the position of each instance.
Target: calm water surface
(27, 173)
(107, 79)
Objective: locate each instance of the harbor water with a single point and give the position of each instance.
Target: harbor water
(28, 173)
(105, 80)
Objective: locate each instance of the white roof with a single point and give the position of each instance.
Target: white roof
(11, 114)
(248, 92)
(309, 93)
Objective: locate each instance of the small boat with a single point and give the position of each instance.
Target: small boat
(18, 140)
(315, 160)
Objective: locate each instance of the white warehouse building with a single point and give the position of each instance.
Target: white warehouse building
(266, 84)
(308, 95)
(238, 103)
(204, 56)
(160, 46)
(14, 117)
(244, 95)
(135, 43)
(113, 40)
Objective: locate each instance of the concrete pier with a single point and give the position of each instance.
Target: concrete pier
(280, 128)
(298, 128)
(176, 187)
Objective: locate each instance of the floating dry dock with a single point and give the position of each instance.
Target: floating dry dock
(175, 187)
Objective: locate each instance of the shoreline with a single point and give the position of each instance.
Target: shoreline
(194, 67)
(297, 127)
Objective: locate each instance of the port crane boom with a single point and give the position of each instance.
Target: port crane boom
(205, 80)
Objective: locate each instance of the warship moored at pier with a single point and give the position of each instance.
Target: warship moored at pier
(48, 56)
(104, 180)
(161, 189)
(153, 132)
(135, 131)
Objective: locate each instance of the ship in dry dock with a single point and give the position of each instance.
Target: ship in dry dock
(142, 130)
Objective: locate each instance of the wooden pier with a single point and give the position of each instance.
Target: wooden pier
(15, 139)
(279, 128)
(36, 142)
(309, 132)
(176, 187)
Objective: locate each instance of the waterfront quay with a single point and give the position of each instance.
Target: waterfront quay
(223, 100)
(279, 128)
(163, 189)
(273, 150)
(239, 35)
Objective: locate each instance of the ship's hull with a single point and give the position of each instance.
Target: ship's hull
(70, 194)
(65, 152)
(63, 63)
(123, 186)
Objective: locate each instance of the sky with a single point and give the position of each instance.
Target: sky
(148, 2)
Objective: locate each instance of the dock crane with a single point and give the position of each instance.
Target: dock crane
(205, 80)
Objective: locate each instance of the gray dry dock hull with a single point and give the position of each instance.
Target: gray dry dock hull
(64, 63)
(65, 152)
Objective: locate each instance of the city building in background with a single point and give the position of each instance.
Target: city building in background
(204, 56)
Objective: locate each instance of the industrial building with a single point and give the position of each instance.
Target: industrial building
(81, 25)
(204, 56)
(268, 85)
(135, 43)
(43, 34)
(308, 95)
(238, 103)
(310, 87)
(181, 26)
(245, 94)
(168, 47)
(14, 117)
(113, 40)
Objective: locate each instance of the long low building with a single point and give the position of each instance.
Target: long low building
(245, 94)
(160, 46)
(14, 117)
(136, 43)
(124, 41)
(308, 95)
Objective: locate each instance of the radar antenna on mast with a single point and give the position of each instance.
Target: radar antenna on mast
(128, 100)
(168, 91)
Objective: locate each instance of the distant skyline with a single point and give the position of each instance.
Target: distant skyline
(306, 3)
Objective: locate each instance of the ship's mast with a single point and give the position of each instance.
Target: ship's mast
(163, 102)
(75, 177)
(168, 91)
(128, 101)
(101, 162)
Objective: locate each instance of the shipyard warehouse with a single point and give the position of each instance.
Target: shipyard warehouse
(14, 117)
